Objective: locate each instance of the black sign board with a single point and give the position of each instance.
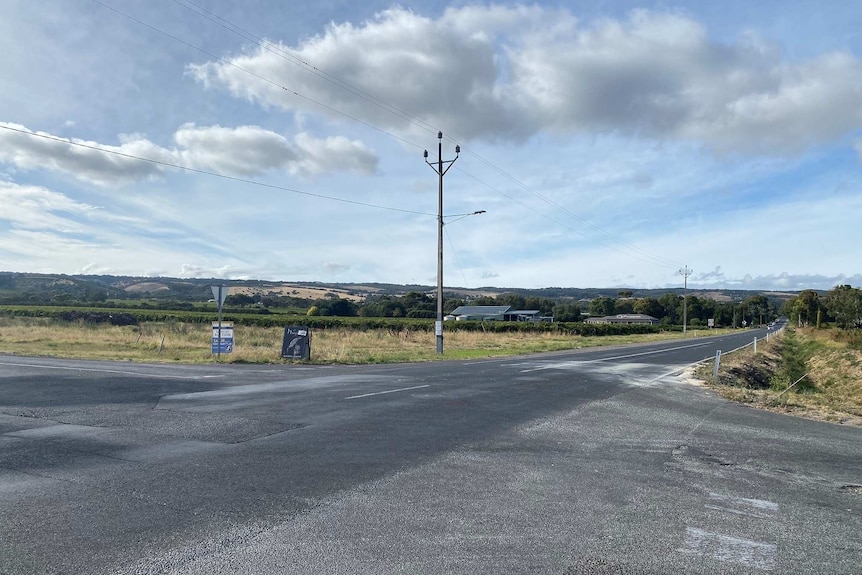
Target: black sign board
(297, 343)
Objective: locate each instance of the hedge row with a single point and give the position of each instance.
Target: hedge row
(131, 316)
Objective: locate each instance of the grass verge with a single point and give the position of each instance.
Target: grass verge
(808, 372)
(190, 342)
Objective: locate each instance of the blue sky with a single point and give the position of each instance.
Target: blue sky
(610, 144)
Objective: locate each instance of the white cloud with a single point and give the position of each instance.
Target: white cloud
(29, 150)
(652, 74)
(335, 153)
(37, 208)
(242, 151)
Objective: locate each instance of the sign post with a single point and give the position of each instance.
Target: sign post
(220, 294)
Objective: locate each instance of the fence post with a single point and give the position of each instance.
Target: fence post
(717, 363)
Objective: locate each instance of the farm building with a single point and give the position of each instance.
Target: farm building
(495, 313)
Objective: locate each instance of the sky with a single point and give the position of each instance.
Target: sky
(606, 143)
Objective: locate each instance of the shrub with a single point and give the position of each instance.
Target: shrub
(794, 363)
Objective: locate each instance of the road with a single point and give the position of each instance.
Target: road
(592, 461)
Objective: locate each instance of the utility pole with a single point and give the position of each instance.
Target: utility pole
(438, 326)
(685, 272)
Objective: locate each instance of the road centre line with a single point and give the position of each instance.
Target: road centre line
(701, 344)
(116, 371)
(551, 366)
(387, 391)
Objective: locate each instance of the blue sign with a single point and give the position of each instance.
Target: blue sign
(222, 341)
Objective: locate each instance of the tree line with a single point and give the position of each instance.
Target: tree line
(842, 305)
(668, 308)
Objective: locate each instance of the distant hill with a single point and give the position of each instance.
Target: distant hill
(31, 287)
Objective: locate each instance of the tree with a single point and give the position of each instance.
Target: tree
(804, 307)
(844, 303)
(513, 300)
(602, 306)
(484, 300)
(339, 307)
(723, 314)
(567, 312)
(239, 299)
(544, 304)
(671, 308)
(625, 305)
(648, 306)
(756, 308)
(694, 308)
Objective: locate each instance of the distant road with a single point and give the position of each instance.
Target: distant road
(591, 461)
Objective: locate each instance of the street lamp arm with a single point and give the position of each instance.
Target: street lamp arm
(462, 216)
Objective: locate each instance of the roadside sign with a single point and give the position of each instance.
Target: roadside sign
(297, 343)
(219, 294)
(222, 340)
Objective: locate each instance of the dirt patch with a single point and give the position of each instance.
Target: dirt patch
(303, 292)
(143, 287)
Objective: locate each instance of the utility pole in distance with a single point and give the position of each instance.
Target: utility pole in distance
(438, 326)
(685, 272)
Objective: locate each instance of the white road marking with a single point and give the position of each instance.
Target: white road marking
(116, 371)
(566, 364)
(387, 391)
(729, 549)
(758, 508)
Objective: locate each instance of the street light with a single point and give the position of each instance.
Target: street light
(438, 326)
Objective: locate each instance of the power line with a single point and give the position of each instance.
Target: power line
(626, 248)
(215, 174)
(652, 259)
(258, 76)
(567, 226)
(311, 68)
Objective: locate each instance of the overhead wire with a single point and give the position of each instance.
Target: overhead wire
(616, 244)
(256, 75)
(290, 57)
(635, 251)
(216, 174)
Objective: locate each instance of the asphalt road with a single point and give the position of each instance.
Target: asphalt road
(595, 461)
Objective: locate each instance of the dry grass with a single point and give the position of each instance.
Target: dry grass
(834, 379)
(190, 343)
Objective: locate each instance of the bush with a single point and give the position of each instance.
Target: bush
(794, 363)
(98, 317)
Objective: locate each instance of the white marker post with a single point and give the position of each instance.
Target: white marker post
(717, 363)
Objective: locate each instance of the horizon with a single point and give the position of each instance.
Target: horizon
(429, 287)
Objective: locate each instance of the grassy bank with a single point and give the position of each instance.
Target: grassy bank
(190, 342)
(814, 373)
